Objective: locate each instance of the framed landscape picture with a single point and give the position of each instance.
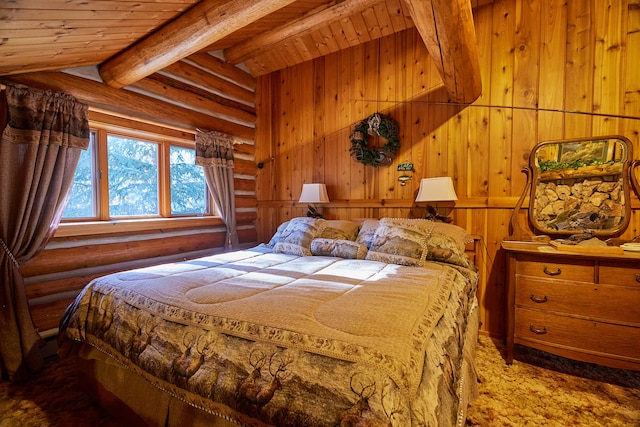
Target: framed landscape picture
(577, 151)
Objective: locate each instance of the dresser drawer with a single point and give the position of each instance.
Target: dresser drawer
(579, 334)
(620, 273)
(616, 303)
(577, 270)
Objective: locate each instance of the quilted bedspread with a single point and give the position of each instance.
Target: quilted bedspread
(267, 338)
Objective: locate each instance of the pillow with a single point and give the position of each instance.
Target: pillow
(367, 231)
(447, 244)
(297, 236)
(276, 236)
(340, 230)
(458, 234)
(443, 248)
(400, 241)
(338, 248)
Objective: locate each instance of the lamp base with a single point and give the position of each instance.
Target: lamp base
(432, 215)
(313, 212)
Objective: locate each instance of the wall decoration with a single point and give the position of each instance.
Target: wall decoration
(594, 151)
(376, 124)
(405, 169)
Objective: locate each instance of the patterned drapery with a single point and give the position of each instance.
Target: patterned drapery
(43, 135)
(214, 152)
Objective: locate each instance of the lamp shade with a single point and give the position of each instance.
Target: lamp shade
(314, 193)
(439, 189)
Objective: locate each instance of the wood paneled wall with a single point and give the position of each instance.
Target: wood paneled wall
(550, 69)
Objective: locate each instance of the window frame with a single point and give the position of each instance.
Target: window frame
(165, 137)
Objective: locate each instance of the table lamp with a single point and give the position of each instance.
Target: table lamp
(312, 194)
(438, 189)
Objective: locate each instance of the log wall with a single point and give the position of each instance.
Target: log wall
(200, 92)
(550, 70)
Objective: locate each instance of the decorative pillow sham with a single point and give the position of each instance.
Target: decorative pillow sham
(338, 248)
(457, 234)
(338, 229)
(276, 236)
(445, 248)
(297, 236)
(367, 231)
(447, 244)
(400, 241)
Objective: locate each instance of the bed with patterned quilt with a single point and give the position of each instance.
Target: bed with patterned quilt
(332, 323)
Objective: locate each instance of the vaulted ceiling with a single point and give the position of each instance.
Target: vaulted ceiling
(128, 40)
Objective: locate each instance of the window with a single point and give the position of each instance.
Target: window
(82, 201)
(136, 176)
(133, 173)
(188, 188)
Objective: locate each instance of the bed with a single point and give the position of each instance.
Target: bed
(331, 323)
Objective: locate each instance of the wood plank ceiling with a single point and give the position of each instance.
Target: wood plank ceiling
(130, 39)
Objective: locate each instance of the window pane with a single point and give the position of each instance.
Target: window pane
(188, 188)
(133, 177)
(82, 201)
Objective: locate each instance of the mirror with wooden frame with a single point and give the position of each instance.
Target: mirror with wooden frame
(578, 186)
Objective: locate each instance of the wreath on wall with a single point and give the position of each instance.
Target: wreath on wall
(378, 124)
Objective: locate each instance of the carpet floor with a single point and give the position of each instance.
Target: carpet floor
(541, 389)
(538, 389)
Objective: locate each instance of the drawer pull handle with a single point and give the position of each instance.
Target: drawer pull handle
(538, 300)
(536, 330)
(637, 277)
(552, 273)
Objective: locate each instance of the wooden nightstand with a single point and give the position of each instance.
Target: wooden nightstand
(580, 306)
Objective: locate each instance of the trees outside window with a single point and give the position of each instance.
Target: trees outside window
(82, 201)
(188, 188)
(133, 177)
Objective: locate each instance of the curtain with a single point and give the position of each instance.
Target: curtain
(214, 152)
(43, 135)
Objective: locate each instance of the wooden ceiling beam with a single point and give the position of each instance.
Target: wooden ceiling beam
(298, 28)
(447, 29)
(124, 101)
(203, 24)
